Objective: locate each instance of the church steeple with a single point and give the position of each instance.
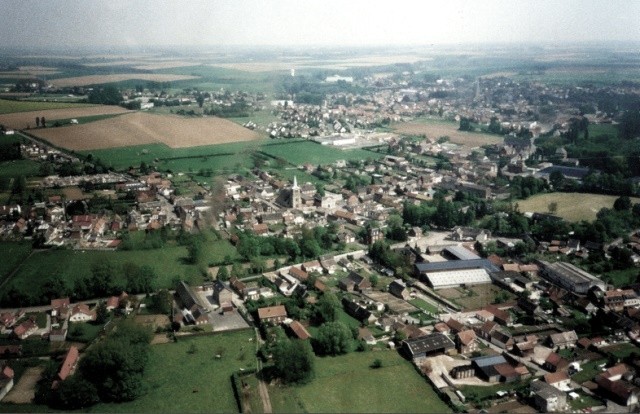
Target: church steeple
(295, 183)
(296, 200)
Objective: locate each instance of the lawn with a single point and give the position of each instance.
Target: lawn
(584, 401)
(571, 206)
(10, 106)
(422, 304)
(348, 384)
(169, 264)
(623, 277)
(622, 350)
(27, 168)
(589, 370)
(186, 376)
(12, 255)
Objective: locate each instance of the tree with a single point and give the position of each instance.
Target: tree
(333, 338)
(37, 122)
(162, 302)
(101, 281)
(223, 273)
(43, 122)
(622, 204)
(327, 307)
(102, 314)
(553, 207)
(200, 100)
(74, 393)
(377, 363)
(195, 250)
(293, 361)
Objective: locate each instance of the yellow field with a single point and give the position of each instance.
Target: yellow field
(571, 206)
(140, 128)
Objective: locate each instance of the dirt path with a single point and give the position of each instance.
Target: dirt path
(262, 386)
(24, 391)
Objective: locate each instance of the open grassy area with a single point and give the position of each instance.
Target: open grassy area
(300, 152)
(589, 370)
(571, 206)
(12, 255)
(348, 384)
(422, 304)
(186, 376)
(27, 168)
(169, 263)
(10, 106)
(622, 350)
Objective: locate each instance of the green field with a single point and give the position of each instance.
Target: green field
(422, 304)
(15, 168)
(169, 263)
(12, 255)
(180, 381)
(216, 78)
(10, 106)
(300, 152)
(571, 206)
(348, 384)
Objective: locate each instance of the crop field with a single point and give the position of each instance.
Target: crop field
(571, 206)
(118, 77)
(187, 377)
(300, 152)
(142, 128)
(20, 120)
(474, 297)
(15, 168)
(169, 263)
(437, 129)
(10, 106)
(348, 384)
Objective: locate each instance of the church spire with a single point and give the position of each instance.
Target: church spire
(295, 183)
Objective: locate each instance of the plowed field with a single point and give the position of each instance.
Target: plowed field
(142, 128)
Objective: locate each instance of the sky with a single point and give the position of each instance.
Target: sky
(135, 23)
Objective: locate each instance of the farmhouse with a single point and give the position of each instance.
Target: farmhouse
(68, 366)
(272, 315)
(6, 381)
(399, 289)
(548, 398)
(81, 313)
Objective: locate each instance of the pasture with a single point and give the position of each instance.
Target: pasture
(8, 106)
(435, 129)
(187, 377)
(27, 119)
(13, 254)
(169, 264)
(347, 383)
(572, 207)
(143, 128)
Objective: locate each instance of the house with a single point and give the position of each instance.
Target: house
(299, 330)
(555, 362)
(112, 303)
(454, 325)
(6, 381)
(563, 340)
(466, 341)
(69, 364)
(358, 312)
(354, 282)
(560, 380)
(485, 330)
(60, 307)
(272, 315)
(399, 289)
(612, 385)
(432, 344)
(25, 329)
(298, 273)
(58, 334)
(547, 398)
(312, 266)
(81, 313)
(501, 316)
(7, 319)
(502, 339)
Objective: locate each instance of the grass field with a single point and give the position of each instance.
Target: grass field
(300, 152)
(435, 129)
(169, 263)
(571, 206)
(422, 304)
(10, 106)
(180, 381)
(16, 168)
(118, 77)
(348, 384)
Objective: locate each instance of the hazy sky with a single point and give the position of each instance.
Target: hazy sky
(79, 23)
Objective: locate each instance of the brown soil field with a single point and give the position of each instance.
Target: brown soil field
(435, 130)
(20, 120)
(24, 391)
(98, 79)
(142, 128)
(152, 321)
(73, 193)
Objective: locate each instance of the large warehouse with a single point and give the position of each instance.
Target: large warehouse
(441, 275)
